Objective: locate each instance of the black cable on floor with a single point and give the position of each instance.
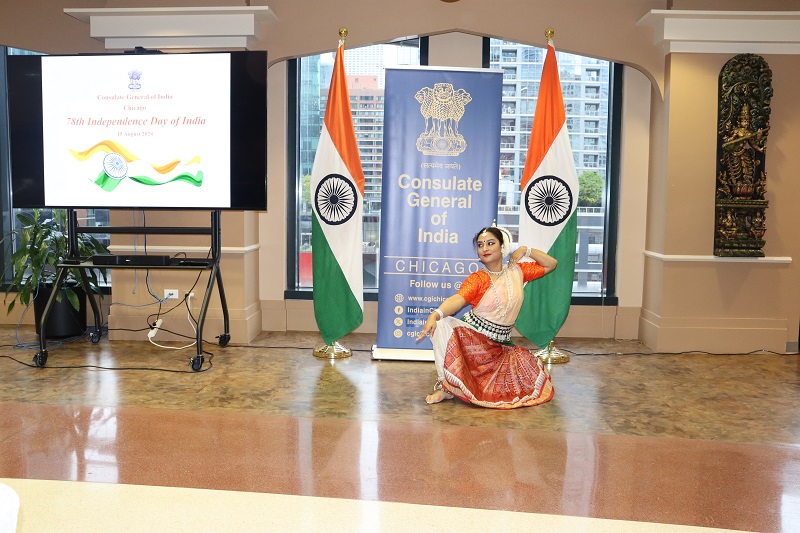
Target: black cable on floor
(690, 352)
(98, 367)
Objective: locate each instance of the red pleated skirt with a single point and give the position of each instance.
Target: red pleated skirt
(483, 372)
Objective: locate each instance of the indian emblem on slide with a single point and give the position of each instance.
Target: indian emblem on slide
(335, 199)
(134, 76)
(442, 106)
(548, 200)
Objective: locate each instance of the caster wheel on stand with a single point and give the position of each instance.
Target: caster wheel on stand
(197, 363)
(224, 339)
(95, 337)
(40, 358)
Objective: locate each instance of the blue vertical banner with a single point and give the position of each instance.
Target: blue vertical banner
(441, 161)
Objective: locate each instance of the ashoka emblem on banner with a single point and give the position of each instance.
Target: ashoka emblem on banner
(548, 200)
(336, 199)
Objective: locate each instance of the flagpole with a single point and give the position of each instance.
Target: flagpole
(334, 350)
(551, 354)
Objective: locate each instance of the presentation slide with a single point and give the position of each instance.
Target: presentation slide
(137, 130)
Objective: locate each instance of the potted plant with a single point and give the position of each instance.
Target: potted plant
(42, 243)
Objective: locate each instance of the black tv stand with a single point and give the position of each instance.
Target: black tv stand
(75, 261)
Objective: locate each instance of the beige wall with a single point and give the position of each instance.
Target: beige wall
(606, 29)
(693, 300)
(634, 161)
(672, 293)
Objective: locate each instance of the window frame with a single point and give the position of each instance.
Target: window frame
(6, 220)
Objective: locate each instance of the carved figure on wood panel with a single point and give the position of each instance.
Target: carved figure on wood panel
(738, 156)
(745, 91)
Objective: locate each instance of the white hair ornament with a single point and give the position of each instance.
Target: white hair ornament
(505, 248)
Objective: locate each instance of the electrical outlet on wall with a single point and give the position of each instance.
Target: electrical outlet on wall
(170, 293)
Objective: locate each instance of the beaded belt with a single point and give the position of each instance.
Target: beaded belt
(496, 332)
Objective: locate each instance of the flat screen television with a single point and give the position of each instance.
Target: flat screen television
(173, 131)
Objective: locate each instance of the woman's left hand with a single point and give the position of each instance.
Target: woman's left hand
(518, 254)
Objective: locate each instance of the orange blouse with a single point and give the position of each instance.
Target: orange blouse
(477, 283)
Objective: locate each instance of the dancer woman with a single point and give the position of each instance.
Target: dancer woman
(475, 358)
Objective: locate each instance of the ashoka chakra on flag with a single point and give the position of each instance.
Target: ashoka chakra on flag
(335, 199)
(548, 200)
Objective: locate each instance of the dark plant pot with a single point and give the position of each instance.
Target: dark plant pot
(64, 320)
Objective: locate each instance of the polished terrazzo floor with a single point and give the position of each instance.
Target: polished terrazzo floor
(684, 439)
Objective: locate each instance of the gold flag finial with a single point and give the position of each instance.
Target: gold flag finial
(548, 33)
(342, 34)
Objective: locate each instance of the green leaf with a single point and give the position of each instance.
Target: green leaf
(73, 298)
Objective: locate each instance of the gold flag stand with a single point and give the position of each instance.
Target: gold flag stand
(332, 351)
(552, 355)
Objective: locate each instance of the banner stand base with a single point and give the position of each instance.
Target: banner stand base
(332, 351)
(552, 355)
(399, 354)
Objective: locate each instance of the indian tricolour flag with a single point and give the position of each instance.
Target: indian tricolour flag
(337, 198)
(547, 217)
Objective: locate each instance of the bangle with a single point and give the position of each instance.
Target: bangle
(439, 312)
(527, 251)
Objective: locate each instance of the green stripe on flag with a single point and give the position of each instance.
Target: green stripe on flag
(108, 183)
(335, 306)
(547, 299)
(192, 179)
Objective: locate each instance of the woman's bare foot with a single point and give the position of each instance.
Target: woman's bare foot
(438, 396)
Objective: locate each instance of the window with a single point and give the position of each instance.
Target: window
(86, 217)
(509, 56)
(509, 108)
(572, 126)
(570, 90)
(531, 71)
(585, 86)
(528, 89)
(532, 54)
(507, 124)
(527, 107)
(509, 73)
(586, 82)
(365, 76)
